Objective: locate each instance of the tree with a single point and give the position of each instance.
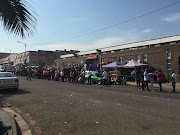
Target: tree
(41, 62)
(16, 18)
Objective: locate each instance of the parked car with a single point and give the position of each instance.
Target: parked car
(95, 78)
(2, 69)
(8, 81)
(9, 69)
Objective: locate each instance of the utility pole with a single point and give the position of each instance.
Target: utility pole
(25, 51)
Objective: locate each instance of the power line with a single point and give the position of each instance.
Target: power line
(170, 5)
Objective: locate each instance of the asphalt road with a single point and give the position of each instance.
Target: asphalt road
(59, 108)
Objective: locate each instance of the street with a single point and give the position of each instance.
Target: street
(60, 108)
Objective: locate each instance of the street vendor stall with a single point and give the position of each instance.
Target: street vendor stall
(129, 70)
(114, 73)
(113, 65)
(133, 64)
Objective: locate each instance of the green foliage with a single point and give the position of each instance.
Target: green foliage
(16, 18)
(40, 62)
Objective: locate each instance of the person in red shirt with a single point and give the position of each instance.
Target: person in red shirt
(160, 79)
(48, 74)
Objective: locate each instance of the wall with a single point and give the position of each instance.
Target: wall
(156, 58)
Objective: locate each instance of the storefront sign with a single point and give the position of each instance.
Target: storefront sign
(92, 57)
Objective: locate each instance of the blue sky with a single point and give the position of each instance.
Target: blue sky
(60, 20)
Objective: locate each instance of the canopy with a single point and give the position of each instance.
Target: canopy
(113, 65)
(133, 64)
(51, 68)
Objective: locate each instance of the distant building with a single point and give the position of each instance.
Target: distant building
(30, 58)
(162, 53)
(6, 59)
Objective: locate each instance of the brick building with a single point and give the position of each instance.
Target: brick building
(163, 53)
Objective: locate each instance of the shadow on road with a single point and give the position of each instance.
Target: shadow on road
(11, 92)
(7, 93)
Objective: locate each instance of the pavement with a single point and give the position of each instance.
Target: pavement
(20, 127)
(11, 118)
(165, 86)
(8, 120)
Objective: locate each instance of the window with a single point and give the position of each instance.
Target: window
(168, 59)
(138, 58)
(144, 58)
(157, 45)
(115, 59)
(120, 58)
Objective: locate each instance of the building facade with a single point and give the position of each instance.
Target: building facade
(7, 59)
(28, 57)
(163, 53)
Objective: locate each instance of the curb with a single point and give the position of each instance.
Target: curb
(8, 120)
(19, 122)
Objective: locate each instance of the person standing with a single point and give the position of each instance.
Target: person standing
(104, 74)
(56, 75)
(146, 79)
(68, 76)
(62, 76)
(89, 77)
(151, 78)
(72, 76)
(29, 72)
(138, 79)
(174, 79)
(44, 74)
(160, 79)
(48, 74)
(82, 75)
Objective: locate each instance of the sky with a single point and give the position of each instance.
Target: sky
(88, 24)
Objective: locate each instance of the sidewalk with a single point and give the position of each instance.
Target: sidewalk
(8, 120)
(165, 86)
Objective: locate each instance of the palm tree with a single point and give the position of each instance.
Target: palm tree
(16, 18)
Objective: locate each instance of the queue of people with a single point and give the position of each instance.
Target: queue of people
(146, 77)
(143, 78)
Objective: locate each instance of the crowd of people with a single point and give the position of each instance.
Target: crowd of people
(144, 78)
(77, 75)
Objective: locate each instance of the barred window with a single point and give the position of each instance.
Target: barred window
(144, 58)
(168, 59)
(138, 58)
(120, 58)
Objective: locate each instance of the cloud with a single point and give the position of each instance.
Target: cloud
(147, 31)
(172, 18)
(61, 46)
(101, 43)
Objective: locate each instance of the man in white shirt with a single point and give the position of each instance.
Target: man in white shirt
(89, 77)
(62, 76)
(174, 79)
(146, 79)
(104, 75)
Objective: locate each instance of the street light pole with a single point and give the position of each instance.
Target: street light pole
(25, 50)
(100, 62)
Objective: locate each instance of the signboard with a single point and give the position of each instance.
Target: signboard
(92, 57)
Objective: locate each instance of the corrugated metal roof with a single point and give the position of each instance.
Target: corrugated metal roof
(130, 45)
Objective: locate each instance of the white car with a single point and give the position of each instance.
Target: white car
(8, 81)
(2, 69)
